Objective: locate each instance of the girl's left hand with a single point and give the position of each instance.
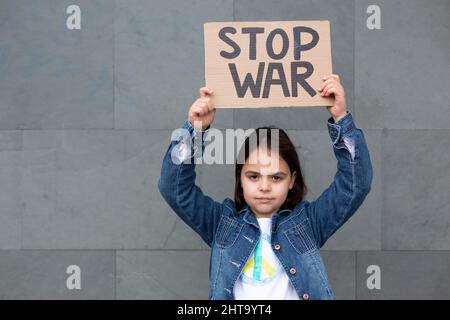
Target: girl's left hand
(332, 85)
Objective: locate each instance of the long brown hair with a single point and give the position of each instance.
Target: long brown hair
(286, 151)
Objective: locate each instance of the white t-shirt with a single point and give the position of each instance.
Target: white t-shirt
(263, 276)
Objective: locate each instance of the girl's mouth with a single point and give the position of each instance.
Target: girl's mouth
(264, 200)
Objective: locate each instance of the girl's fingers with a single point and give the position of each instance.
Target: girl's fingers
(210, 105)
(330, 91)
(326, 82)
(336, 91)
(206, 102)
(205, 91)
(198, 110)
(202, 103)
(327, 89)
(206, 105)
(201, 109)
(338, 88)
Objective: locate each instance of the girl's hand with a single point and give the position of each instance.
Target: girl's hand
(201, 114)
(332, 85)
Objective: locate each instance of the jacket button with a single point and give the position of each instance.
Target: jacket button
(293, 271)
(305, 296)
(277, 247)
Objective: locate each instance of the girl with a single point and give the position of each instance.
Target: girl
(265, 244)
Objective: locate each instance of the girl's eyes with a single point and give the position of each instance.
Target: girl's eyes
(275, 178)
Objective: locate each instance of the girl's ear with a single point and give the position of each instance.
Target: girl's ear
(294, 175)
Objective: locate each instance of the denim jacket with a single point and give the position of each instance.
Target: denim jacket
(297, 234)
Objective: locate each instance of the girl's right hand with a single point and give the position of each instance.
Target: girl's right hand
(202, 112)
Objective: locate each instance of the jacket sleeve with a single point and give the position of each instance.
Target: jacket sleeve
(177, 183)
(351, 183)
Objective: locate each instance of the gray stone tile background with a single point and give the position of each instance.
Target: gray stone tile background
(42, 274)
(86, 116)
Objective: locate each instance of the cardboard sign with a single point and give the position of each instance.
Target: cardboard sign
(267, 64)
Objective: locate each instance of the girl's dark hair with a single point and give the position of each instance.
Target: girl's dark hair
(286, 151)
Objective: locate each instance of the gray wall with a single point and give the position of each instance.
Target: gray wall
(86, 116)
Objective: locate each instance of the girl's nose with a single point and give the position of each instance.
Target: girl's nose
(264, 185)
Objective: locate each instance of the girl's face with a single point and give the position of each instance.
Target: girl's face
(266, 180)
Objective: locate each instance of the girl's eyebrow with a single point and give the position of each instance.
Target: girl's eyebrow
(276, 173)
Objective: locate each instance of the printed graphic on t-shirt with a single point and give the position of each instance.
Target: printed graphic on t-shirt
(263, 267)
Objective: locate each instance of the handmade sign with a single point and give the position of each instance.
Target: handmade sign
(267, 64)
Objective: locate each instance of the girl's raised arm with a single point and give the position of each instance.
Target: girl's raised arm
(177, 180)
(351, 183)
(353, 179)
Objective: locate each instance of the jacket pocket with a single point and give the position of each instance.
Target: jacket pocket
(227, 232)
(300, 237)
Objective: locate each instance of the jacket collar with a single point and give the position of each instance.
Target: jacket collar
(250, 217)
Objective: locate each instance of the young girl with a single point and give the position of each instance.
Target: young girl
(265, 244)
